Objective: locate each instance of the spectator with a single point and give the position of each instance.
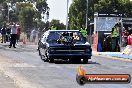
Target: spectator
(28, 35)
(33, 35)
(129, 39)
(13, 36)
(3, 32)
(115, 37)
(8, 31)
(83, 30)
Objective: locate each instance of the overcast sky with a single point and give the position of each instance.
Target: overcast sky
(58, 9)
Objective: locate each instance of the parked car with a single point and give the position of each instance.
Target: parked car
(64, 44)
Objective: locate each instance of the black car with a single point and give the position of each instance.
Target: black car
(64, 44)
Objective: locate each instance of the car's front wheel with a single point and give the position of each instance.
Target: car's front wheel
(39, 51)
(51, 60)
(40, 54)
(43, 57)
(47, 56)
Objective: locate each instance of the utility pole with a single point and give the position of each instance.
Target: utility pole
(8, 12)
(8, 15)
(67, 16)
(121, 30)
(87, 16)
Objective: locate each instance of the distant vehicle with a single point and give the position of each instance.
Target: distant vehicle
(64, 44)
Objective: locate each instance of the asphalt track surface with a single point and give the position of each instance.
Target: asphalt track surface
(25, 69)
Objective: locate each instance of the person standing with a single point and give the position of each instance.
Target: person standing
(115, 37)
(8, 31)
(33, 35)
(3, 33)
(84, 33)
(129, 40)
(13, 36)
(28, 35)
(53, 28)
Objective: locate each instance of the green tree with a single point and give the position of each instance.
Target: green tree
(24, 12)
(42, 7)
(110, 6)
(1, 1)
(13, 16)
(34, 14)
(1, 21)
(77, 14)
(26, 16)
(4, 11)
(57, 24)
(77, 10)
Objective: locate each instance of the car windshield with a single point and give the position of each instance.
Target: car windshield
(56, 35)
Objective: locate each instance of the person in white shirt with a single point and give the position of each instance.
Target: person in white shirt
(13, 36)
(33, 35)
